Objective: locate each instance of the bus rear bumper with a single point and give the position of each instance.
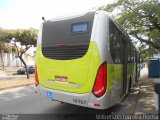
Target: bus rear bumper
(86, 100)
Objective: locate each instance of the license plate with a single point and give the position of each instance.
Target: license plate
(61, 79)
(49, 94)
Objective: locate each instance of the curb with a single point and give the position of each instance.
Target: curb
(16, 86)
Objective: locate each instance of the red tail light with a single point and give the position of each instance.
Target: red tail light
(36, 76)
(101, 81)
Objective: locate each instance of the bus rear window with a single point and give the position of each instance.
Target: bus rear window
(79, 27)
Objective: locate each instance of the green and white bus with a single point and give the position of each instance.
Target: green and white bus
(86, 60)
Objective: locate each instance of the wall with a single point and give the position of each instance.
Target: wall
(10, 60)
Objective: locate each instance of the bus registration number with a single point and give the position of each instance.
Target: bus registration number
(61, 79)
(79, 101)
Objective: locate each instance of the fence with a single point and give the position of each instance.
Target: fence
(10, 60)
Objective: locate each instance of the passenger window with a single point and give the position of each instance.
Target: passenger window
(115, 43)
(132, 55)
(129, 52)
(133, 52)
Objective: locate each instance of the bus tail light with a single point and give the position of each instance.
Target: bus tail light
(36, 76)
(101, 81)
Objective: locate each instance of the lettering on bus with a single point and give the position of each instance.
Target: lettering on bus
(78, 101)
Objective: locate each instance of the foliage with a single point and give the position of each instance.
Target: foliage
(140, 18)
(5, 36)
(26, 37)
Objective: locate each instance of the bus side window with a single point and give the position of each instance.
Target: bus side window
(115, 45)
(134, 57)
(129, 53)
(132, 54)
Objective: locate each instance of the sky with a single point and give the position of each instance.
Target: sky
(15, 14)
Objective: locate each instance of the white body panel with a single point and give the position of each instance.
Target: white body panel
(86, 100)
(39, 40)
(100, 35)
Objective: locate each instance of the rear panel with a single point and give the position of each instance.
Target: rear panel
(67, 39)
(80, 72)
(68, 59)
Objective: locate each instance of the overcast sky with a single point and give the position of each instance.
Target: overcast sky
(28, 13)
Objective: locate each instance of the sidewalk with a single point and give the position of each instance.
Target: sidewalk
(141, 99)
(8, 80)
(2, 74)
(16, 82)
(146, 98)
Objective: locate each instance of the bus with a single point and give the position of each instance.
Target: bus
(85, 59)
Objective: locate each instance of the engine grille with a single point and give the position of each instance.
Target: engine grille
(65, 52)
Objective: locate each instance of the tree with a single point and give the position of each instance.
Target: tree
(5, 36)
(140, 18)
(27, 39)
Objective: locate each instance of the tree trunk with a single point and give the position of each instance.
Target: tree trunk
(2, 62)
(25, 65)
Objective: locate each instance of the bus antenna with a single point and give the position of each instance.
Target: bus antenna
(43, 19)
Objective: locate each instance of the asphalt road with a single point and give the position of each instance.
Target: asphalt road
(24, 101)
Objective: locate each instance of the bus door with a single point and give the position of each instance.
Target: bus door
(124, 62)
(136, 56)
